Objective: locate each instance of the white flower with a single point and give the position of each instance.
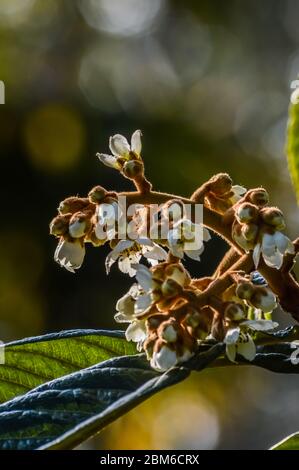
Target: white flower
(238, 339)
(136, 331)
(129, 252)
(166, 358)
(238, 193)
(125, 305)
(273, 247)
(70, 255)
(184, 238)
(121, 149)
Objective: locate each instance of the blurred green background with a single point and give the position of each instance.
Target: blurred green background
(208, 83)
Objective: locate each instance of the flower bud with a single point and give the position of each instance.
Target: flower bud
(60, 225)
(273, 216)
(246, 212)
(97, 194)
(220, 184)
(258, 196)
(234, 312)
(245, 290)
(73, 204)
(133, 169)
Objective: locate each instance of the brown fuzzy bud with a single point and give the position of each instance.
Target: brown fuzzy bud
(273, 216)
(220, 184)
(59, 225)
(97, 194)
(73, 205)
(217, 204)
(246, 212)
(245, 290)
(133, 168)
(258, 196)
(249, 231)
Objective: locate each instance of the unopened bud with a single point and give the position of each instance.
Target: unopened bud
(60, 224)
(73, 204)
(245, 290)
(258, 196)
(220, 184)
(273, 216)
(97, 194)
(246, 212)
(133, 168)
(234, 312)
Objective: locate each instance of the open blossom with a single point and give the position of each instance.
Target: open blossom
(136, 330)
(129, 253)
(238, 340)
(185, 238)
(121, 150)
(272, 248)
(70, 254)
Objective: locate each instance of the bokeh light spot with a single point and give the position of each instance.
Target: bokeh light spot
(121, 17)
(54, 137)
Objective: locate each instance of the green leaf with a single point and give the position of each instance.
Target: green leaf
(66, 411)
(34, 361)
(289, 443)
(293, 146)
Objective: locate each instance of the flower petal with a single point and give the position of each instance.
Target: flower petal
(142, 303)
(206, 234)
(109, 160)
(155, 252)
(260, 325)
(69, 255)
(231, 351)
(256, 254)
(119, 146)
(232, 335)
(136, 145)
(144, 277)
(164, 359)
(274, 261)
(247, 349)
(194, 254)
(136, 331)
